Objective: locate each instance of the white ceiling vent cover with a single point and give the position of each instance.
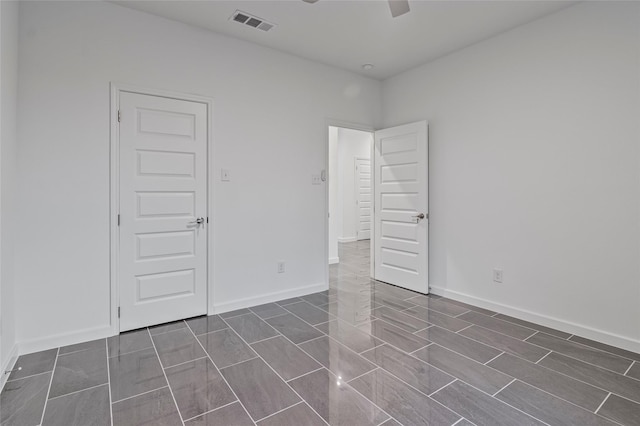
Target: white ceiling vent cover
(251, 21)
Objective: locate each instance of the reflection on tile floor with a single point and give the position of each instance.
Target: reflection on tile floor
(361, 353)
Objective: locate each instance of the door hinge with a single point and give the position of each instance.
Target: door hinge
(118, 220)
(119, 116)
(118, 311)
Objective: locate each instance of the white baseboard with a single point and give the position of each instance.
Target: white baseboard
(8, 365)
(64, 339)
(333, 260)
(219, 308)
(347, 239)
(557, 323)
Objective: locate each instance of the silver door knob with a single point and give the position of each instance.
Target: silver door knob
(419, 217)
(198, 221)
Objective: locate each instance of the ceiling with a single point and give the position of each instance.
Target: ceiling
(350, 33)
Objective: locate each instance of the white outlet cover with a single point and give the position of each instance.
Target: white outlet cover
(224, 175)
(315, 179)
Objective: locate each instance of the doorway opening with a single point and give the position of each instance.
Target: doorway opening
(350, 202)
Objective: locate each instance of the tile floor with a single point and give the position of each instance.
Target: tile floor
(361, 353)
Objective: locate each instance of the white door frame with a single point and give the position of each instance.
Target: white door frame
(332, 122)
(114, 189)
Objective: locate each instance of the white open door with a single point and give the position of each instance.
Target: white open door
(363, 198)
(401, 206)
(163, 210)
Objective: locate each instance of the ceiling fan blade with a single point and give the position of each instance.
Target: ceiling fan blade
(309, 1)
(398, 7)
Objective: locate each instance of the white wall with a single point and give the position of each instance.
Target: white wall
(8, 144)
(534, 149)
(352, 144)
(269, 130)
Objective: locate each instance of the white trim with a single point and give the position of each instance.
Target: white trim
(64, 339)
(114, 141)
(248, 302)
(8, 365)
(333, 122)
(347, 239)
(334, 260)
(548, 321)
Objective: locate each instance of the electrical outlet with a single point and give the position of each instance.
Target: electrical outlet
(497, 275)
(224, 175)
(315, 180)
(280, 267)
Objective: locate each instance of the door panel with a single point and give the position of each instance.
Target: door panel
(163, 169)
(363, 198)
(401, 193)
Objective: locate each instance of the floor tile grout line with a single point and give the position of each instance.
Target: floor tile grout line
(377, 367)
(456, 378)
(44, 409)
(140, 394)
(166, 324)
(183, 363)
(417, 350)
(308, 372)
(219, 370)
(501, 353)
(31, 375)
(543, 356)
(599, 349)
(585, 362)
(239, 362)
(82, 350)
(602, 403)
(456, 316)
(78, 391)
(165, 376)
(538, 325)
(442, 387)
(210, 411)
(503, 388)
(264, 340)
(629, 369)
(403, 382)
(276, 373)
(564, 400)
(578, 380)
(525, 339)
(314, 306)
(589, 348)
(463, 329)
(302, 401)
(126, 353)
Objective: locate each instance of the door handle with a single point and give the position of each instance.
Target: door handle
(419, 217)
(198, 221)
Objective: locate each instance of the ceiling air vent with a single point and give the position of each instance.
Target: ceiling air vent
(251, 21)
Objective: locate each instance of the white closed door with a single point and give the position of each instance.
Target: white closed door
(363, 197)
(163, 210)
(401, 206)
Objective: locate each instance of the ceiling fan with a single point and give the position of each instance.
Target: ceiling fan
(398, 7)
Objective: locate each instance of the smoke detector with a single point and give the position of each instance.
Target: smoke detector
(251, 21)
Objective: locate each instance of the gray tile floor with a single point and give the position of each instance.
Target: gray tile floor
(361, 353)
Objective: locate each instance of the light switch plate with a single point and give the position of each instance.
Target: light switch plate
(224, 175)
